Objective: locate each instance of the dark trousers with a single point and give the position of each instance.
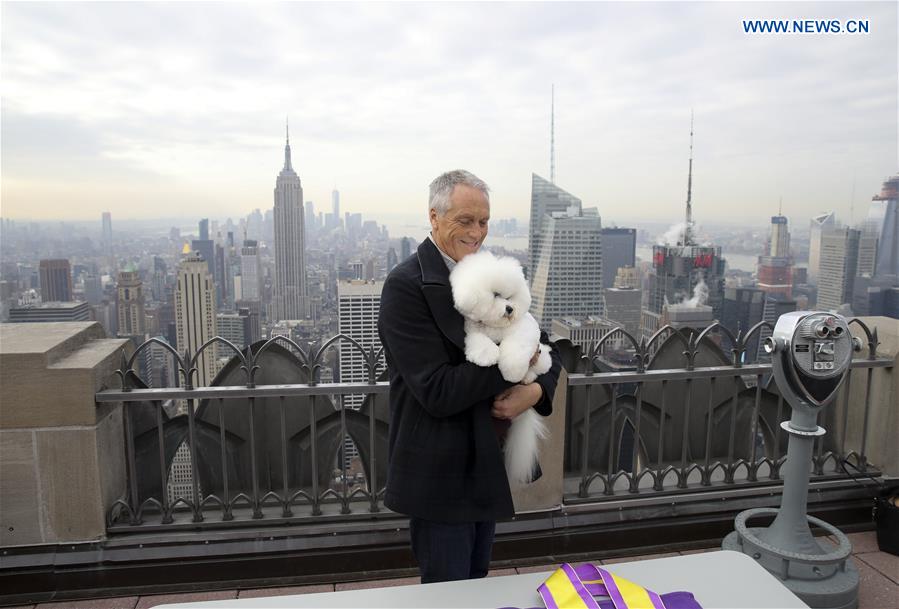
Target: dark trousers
(448, 551)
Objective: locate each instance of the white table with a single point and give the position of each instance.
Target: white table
(717, 579)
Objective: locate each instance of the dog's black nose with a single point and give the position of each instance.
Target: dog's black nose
(509, 310)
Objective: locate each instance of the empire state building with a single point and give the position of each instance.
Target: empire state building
(289, 298)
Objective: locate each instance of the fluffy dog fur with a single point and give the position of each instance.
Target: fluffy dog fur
(492, 294)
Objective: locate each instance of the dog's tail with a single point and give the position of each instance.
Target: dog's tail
(522, 445)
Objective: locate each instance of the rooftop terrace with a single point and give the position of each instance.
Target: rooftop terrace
(112, 490)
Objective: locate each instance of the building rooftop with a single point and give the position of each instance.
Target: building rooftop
(52, 305)
(82, 447)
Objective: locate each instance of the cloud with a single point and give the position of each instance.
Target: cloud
(383, 96)
(48, 147)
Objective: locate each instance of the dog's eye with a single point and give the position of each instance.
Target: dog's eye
(497, 295)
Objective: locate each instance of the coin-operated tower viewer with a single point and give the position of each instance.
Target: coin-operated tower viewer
(811, 353)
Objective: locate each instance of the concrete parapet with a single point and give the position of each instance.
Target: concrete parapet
(62, 461)
(883, 416)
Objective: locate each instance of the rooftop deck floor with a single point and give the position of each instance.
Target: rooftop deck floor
(879, 587)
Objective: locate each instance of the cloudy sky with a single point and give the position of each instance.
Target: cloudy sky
(177, 110)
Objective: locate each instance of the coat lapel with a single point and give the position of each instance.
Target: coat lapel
(439, 294)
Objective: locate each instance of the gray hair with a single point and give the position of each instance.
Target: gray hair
(443, 185)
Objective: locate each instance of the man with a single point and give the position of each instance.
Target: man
(445, 463)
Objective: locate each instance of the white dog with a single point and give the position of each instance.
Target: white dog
(492, 294)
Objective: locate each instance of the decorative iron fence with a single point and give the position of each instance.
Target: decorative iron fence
(263, 438)
(268, 441)
(690, 417)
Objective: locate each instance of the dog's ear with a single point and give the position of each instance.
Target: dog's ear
(515, 283)
(523, 296)
(465, 298)
(466, 280)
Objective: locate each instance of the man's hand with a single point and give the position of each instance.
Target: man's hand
(515, 400)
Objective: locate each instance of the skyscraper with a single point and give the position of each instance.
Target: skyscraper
(335, 205)
(233, 327)
(780, 237)
(158, 287)
(820, 224)
(205, 246)
(358, 305)
(391, 258)
(872, 295)
(883, 223)
(619, 248)
(775, 280)
(160, 369)
(289, 298)
(775, 270)
(195, 314)
(622, 305)
(353, 225)
(676, 272)
(684, 274)
(93, 289)
(254, 225)
(222, 293)
(546, 198)
(837, 268)
(56, 280)
(130, 303)
(250, 272)
(405, 248)
(867, 254)
(107, 231)
(742, 309)
(567, 280)
(310, 217)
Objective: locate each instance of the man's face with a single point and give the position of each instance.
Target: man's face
(462, 229)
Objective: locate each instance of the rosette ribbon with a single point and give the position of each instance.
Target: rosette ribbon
(587, 586)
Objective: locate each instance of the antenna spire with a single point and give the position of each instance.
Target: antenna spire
(287, 164)
(688, 225)
(780, 207)
(552, 135)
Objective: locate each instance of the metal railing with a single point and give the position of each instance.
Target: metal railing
(257, 448)
(711, 421)
(266, 438)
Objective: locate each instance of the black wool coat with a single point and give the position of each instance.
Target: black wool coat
(444, 458)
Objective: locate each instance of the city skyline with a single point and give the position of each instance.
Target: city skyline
(188, 119)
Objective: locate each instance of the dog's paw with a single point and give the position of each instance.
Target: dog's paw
(513, 369)
(480, 350)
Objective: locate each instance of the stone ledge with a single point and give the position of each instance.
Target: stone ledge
(48, 341)
(50, 373)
